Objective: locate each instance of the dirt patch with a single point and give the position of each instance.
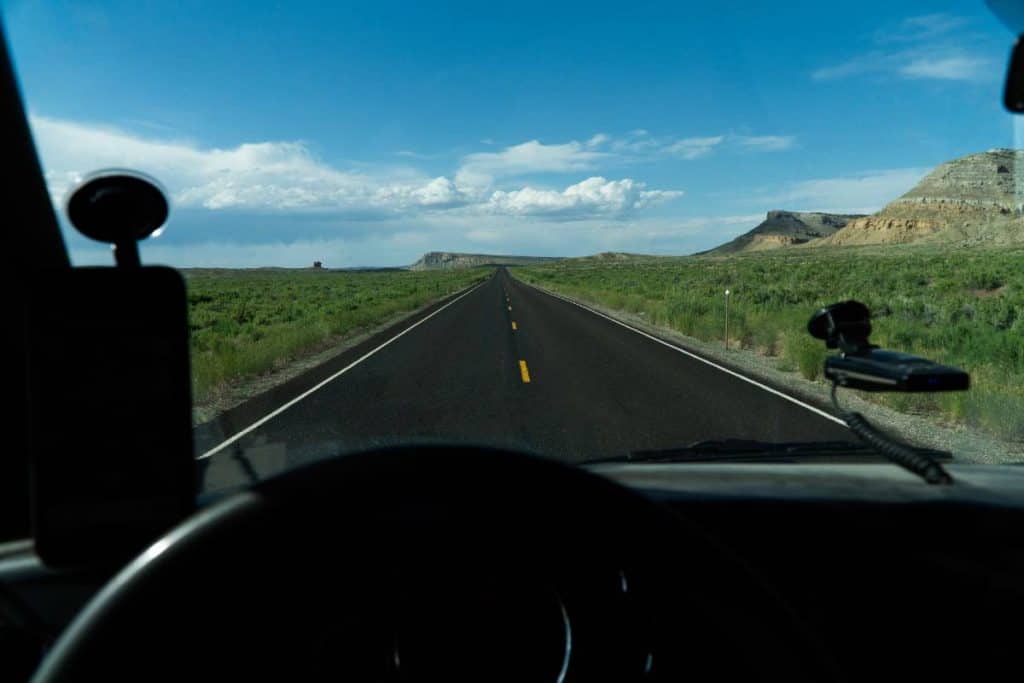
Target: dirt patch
(987, 293)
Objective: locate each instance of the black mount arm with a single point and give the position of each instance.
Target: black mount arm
(844, 326)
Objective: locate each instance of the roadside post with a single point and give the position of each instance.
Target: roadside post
(727, 319)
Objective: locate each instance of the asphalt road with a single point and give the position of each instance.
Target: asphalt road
(504, 364)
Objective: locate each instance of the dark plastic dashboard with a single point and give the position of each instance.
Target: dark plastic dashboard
(890, 576)
(897, 579)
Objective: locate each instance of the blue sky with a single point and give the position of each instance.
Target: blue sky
(366, 135)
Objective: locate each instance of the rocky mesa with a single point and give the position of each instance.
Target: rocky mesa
(973, 200)
(786, 229)
(436, 260)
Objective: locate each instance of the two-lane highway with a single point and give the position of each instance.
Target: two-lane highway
(507, 364)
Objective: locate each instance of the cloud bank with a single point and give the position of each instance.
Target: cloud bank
(930, 46)
(277, 202)
(864, 192)
(286, 177)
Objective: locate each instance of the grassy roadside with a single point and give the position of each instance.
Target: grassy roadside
(245, 323)
(965, 308)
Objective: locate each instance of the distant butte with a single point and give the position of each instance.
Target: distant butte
(973, 200)
(786, 229)
(437, 260)
(970, 200)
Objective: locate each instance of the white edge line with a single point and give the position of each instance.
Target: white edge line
(238, 435)
(757, 384)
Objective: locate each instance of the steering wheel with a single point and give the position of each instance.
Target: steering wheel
(435, 563)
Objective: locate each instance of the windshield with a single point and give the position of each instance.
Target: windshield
(579, 232)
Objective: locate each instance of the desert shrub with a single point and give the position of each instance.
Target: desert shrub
(247, 322)
(964, 308)
(806, 353)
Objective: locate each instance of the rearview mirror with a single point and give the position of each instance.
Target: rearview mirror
(1011, 14)
(1013, 93)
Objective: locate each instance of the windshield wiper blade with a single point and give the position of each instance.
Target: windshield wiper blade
(746, 450)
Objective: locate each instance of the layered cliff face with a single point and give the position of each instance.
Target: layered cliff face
(785, 229)
(435, 260)
(972, 200)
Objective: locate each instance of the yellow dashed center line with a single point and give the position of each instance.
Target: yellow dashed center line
(524, 371)
(514, 325)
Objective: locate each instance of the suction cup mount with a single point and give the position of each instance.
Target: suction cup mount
(118, 207)
(845, 325)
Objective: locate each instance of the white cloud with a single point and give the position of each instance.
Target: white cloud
(864, 192)
(484, 168)
(638, 141)
(694, 148)
(286, 177)
(867, 63)
(765, 143)
(919, 28)
(960, 68)
(276, 203)
(261, 175)
(922, 47)
(639, 145)
(593, 196)
(943, 64)
(481, 169)
(437, 193)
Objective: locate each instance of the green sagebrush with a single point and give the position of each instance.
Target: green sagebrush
(247, 322)
(963, 307)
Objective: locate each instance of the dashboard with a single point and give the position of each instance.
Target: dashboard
(878, 575)
(893, 577)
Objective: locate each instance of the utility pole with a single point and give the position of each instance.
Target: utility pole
(727, 320)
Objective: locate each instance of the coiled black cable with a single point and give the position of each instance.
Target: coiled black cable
(920, 464)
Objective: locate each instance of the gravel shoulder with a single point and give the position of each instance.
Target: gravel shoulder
(967, 445)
